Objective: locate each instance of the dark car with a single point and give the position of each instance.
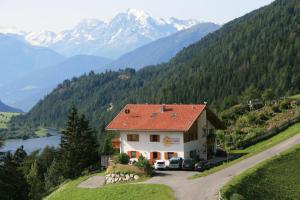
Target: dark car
(202, 165)
(188, 164)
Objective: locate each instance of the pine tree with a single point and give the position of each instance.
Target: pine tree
(78, 145)
(53, 176)
(13, 185)
(35, 182)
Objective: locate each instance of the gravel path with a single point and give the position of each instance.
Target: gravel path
(207, 188)
(92, 182)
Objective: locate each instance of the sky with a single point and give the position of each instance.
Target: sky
(58, 15)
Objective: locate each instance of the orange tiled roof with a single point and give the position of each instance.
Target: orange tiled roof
(150, 117)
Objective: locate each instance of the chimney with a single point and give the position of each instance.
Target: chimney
(163, 108)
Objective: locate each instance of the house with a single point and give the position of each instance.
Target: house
(160, 132)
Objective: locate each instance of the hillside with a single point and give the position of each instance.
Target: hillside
(6, 108)
(18, 58)
(162, 50)
(269, 180)
(251, 53)
(25, 92)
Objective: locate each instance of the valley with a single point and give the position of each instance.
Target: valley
(96, 110)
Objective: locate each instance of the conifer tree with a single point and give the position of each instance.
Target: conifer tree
(13, 185)
(53, 176)
(36, 185)
(78, 145)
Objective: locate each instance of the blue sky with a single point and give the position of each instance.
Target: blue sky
(57, 15)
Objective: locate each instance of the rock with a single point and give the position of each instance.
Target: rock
(136, 177)
(127, 177)
(131, 175)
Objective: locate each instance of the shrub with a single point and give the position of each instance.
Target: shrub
(221, 153)
(144, 164)
(124, 169)
(237, 196)
(275, 108)
(122, 158)
(284, 105)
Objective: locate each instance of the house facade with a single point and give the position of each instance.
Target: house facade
(160, 132)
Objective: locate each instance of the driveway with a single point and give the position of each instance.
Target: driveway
(208, 187)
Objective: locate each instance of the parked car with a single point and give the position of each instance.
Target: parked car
(188, 164)
(202, 165)
(160, 164)
(175, 163)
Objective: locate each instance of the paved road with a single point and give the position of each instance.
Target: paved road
(206, 188)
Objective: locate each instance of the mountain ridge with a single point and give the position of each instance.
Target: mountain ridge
(123, 33)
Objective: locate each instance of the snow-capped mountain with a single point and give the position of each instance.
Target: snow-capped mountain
(123, 33)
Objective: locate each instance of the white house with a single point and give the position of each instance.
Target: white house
(160, 132)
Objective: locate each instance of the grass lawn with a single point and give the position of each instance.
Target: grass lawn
(277, 178)
(5, 118)
(70, 191)
(41, 132)
(252, 150)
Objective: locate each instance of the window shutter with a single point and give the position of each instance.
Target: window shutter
(128, 137)
(175, 154)
(151, 138)
(129, 154)
(166, 156)
(158, 155)
(151, 155)
(138, 154)
(158, 139)
(138, 137)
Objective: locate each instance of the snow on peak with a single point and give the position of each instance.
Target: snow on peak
(124, 32)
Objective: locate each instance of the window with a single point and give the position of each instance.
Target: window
(133, 137)
(169, 155)
(154, 138)
(133, 154)
(155, 156)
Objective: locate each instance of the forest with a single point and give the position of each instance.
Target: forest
(259, 51)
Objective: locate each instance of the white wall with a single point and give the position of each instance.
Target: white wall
(200, 144)
(144, 146)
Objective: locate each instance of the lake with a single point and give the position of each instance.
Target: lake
(31, 145)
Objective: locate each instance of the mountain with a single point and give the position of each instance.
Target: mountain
(6, 108)
(26, 91)
(244, 58)
(123, 33)
(18, 58)
(162, 50)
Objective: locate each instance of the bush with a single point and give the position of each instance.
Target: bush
(144, 164)
(275, 108)
(237, 196)
(122, 158)
(284, 105)
(221, 153)
(124, 169)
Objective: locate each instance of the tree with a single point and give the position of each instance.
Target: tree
(35, 182)
(78, 145)
(13, 185)
(20, 155)
(268, 95)
(53, 176)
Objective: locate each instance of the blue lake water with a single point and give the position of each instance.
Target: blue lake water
(31, 145)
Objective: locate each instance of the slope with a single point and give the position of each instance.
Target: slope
(249, 55)
(18, 58)
(26, 91)
(6, 108)
(162, 50)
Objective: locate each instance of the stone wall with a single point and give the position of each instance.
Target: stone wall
(120, 178)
